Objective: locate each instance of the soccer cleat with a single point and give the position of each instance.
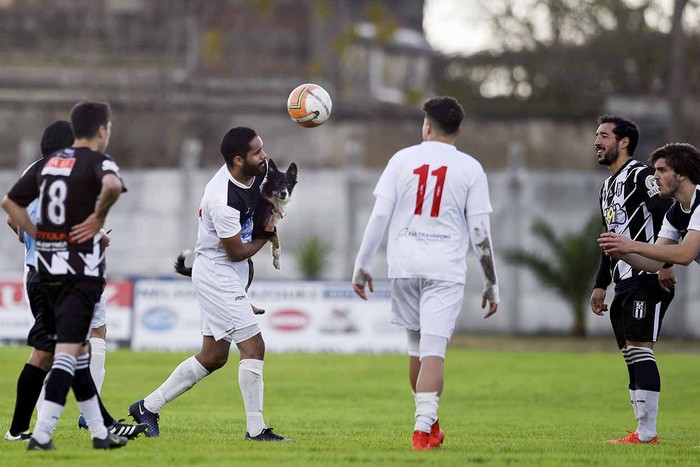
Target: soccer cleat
(633, 438)
(112, 441)
(420, 441)
(34, 445)
(82, 423)
(268, 435)
(142, 415)
(20, 437)
(127, 431)
(437, 436)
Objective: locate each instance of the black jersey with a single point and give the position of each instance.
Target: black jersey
(630, 206)
(68, 184)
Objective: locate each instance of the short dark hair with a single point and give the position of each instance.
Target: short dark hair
(624, 128)
(445, 113)
(683, 158)
(236, 142)
(87, 118)
(57, 136)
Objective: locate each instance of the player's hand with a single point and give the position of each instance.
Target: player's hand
(359, 279)
(615, 245)
(598, 305)
(87, 229)
(667, 279)
(493, 307)
(105, 240)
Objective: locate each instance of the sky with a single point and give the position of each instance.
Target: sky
(458, 27)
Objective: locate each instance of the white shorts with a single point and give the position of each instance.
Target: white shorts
(426, 305)
(225, 309)
(99, 316)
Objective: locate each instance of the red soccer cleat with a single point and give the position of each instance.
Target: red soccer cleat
(633, 438)
(421, 441)
(437, 436)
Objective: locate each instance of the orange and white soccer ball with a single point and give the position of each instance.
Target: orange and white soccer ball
(309, 105)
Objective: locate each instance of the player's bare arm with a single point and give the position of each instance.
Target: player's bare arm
(651, 257)
(239, 251)
(111, 189)
(19, 216)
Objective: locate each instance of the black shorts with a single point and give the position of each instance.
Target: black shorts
(636, 315)
(72, 301)
(42, 335)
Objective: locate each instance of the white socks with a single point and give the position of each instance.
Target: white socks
(633, 400)
(426, 410)
(647, 410)
(186, 375)
(97, 362)
(91, 411)
(250, 380)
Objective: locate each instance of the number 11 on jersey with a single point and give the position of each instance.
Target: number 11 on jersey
(422, 173)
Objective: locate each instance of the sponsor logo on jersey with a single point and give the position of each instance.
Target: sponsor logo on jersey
(640, 309)
(405, 232)
(159, 319)
(289, 320)
(59, 166)
(615, 215)
(652, 187)
(247, 231)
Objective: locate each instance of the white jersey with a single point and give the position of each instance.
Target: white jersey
(434, 188)
(678, 222)
(225, 210)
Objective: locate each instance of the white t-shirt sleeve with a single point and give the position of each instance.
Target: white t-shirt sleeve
(478, 201)
(670, 232)
(694, 223)
(386, 186)
(226, 220)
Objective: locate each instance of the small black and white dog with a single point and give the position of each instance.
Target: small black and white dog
(276, 192)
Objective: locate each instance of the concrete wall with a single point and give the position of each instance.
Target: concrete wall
(158, 217)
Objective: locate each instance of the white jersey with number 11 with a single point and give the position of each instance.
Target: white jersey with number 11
(434, 188)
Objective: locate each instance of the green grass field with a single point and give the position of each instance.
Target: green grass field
(499, 407)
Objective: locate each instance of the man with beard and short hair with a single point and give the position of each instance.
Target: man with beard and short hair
(631, 206)
(219, 274)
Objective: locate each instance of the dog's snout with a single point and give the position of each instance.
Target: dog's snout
(283, 194)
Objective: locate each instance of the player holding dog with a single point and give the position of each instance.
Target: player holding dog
(225, 241)
(630, 206)
(434, 199)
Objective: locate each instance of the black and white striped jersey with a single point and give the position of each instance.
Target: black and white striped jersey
(630, 206)
(68, 185)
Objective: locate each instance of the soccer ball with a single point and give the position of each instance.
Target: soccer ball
(309, 105)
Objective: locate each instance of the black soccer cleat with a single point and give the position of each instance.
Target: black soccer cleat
(127, 431)
(34, 445)
(82, 423)
(112, 441)
(139, 413)
(268, 435)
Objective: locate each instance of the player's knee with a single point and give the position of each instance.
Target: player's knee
(433, 346)
(99, 332)
(41, 359)
(252, 348)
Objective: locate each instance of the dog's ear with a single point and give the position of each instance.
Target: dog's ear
(292, 172)
(271, 166)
